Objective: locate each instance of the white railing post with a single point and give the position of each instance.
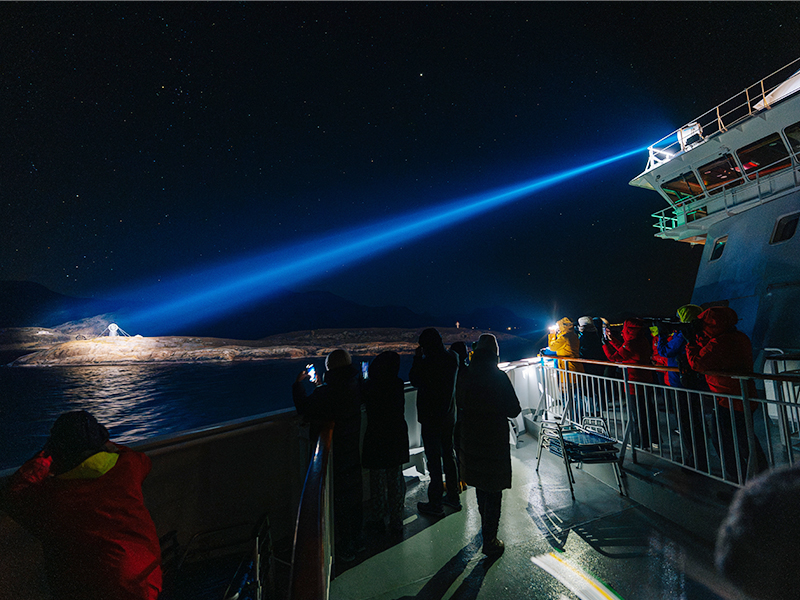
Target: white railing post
(543, 404)
(626, 439)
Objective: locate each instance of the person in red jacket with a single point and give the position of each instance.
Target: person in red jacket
(81, 496)
(721, 347)
(636, 348)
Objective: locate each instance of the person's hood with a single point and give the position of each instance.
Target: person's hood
(483, 358)
(488, 342)
(586, 325)
(75, 435)
(431, 341)
(385, 366)
(689, 312)
(718, 319)
(634, 328)
(565, 325)
(93, 467)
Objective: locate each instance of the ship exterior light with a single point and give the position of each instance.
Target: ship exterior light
(690, 136)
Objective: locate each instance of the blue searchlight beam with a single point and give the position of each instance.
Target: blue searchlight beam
(222, 289)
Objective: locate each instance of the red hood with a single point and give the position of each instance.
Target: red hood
(717, 320)
(634, 328)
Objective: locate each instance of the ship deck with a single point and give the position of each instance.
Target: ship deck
(599, 545)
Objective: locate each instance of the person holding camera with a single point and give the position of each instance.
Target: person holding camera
(338, 399)
(636, 348)
(720, 346)
(672, 346)
(81, 496)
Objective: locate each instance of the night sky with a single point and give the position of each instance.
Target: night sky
(142, 142)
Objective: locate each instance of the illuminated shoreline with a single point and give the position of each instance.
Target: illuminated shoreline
(192, 350)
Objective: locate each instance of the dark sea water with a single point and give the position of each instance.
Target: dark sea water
(137, 402)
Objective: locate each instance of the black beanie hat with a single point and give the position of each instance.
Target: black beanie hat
(73, 435)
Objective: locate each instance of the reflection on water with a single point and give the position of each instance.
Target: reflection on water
(136, 401)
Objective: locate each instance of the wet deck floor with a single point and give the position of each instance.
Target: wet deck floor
(600, 545)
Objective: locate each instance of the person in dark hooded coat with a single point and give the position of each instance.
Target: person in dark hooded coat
(385, 448)
(486, 400)
(591, 345)
(722, 347)
(433, 373)
(338, 399)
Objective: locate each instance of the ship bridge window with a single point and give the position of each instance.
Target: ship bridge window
(720, 174)
(763, 157)
(785, 228)
(684, 188)
(793, 135)
(719, 247)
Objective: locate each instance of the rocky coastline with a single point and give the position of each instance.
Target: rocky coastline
(39, 347)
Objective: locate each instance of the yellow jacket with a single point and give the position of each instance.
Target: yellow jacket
(565, 343)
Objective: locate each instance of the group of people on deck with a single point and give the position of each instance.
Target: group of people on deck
(703, 347)
(463, 406)
(82, 494)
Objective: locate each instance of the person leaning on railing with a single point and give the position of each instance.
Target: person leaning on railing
(671, 346)
(81, 496)
(636, 348)
(721, 347)
(338, 399)
(564, 343)
(590, 344)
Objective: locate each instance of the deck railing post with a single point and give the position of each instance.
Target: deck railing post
(543, 404)
(626, 439)
(752, 459)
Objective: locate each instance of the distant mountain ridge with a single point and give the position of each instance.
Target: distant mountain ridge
(27, 304)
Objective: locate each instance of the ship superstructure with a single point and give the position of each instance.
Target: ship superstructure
(731, 178)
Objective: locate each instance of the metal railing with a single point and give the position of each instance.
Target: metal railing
(694, 429)
(312, 552)
(722, 117)
(757, 189)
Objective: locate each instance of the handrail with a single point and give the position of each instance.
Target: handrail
(661, 368)
(569, 395)
(767, 187)
(311, 553)
(713, 121)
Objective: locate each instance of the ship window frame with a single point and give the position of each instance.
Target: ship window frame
(794, 142)
(785, 228)
(761, 151)
(680, 197)
(713, 169)
(718, 248)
